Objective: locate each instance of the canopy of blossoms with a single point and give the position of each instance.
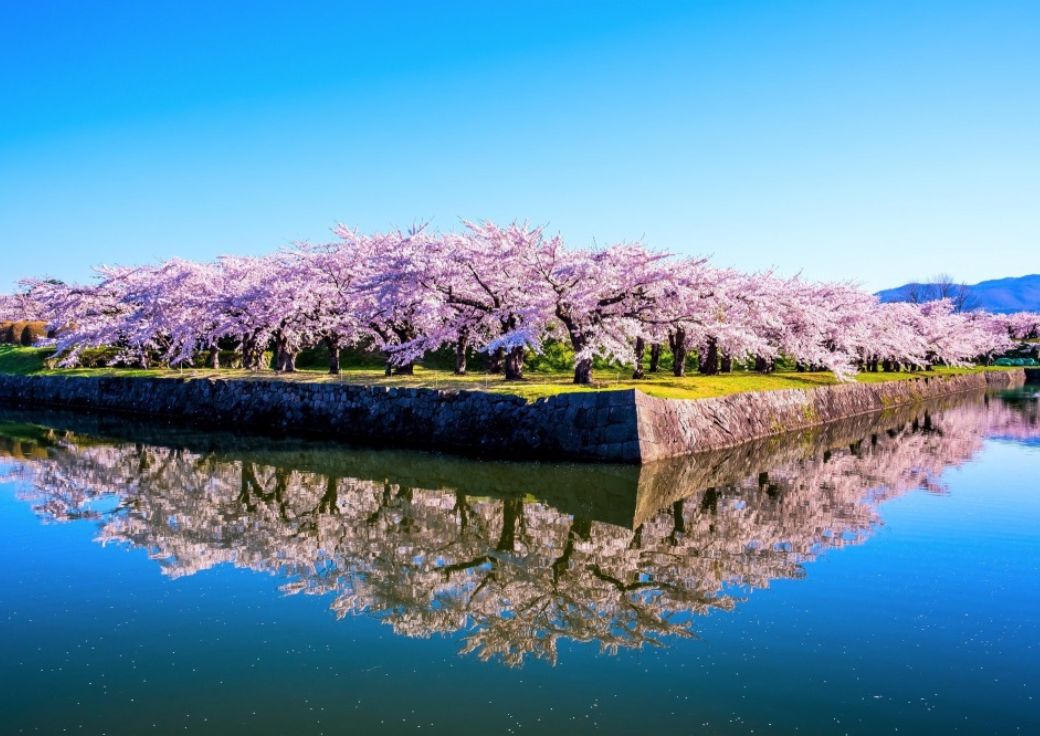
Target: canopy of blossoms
(505, 291)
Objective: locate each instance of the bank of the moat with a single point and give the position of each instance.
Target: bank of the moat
(605, 426)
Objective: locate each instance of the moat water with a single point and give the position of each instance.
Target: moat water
(878, 576)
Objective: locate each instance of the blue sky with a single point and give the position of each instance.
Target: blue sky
(872, 141)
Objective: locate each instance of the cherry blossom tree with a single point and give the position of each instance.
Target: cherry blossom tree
(25, 306)
(332, 274)
(395, 308)
(1022, 325)
(485, 278)
(599, 297)
(89, 315)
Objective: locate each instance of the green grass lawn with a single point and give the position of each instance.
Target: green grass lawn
(27, 361)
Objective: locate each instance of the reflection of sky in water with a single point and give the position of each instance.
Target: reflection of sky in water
(922, 622)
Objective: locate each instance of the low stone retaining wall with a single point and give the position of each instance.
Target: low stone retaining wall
(671, 428)
(606, 426)
(583, 426)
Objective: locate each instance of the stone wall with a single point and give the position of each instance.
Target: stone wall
(598, 426)
(670, 428)
(606, 426)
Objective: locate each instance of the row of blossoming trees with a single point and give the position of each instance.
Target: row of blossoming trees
(503, 291)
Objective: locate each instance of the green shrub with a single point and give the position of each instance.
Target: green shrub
(97, 357)
(228, 359)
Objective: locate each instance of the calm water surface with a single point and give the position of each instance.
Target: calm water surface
(879, 576)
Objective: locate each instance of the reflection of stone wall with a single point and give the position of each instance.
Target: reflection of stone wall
(890, 432)
(612, 426)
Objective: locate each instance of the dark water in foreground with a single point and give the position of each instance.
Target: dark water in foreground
(879, 576)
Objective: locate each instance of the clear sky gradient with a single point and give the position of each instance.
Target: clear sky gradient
(873, 141)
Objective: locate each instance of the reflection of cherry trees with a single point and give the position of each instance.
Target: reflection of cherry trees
(1016, 415)
(512, 574)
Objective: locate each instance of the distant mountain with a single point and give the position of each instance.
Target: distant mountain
(1014, 294)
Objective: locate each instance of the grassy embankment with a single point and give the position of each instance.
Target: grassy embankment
(539, 383)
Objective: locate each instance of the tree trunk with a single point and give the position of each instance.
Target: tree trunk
(655, 357)
(709, 363)
(727, 363)
(583, 371)
(512, 517)
(763, 365)
(286, 361)
(277, 358)
(284, 358)
(640, 350)
(333, 345)
(678, 522)
(461, 346)
(515, 364)
(407, 369)
(252, 354)
(327, 504)
(579, 341)
(214, 357)
(496, 361)
(677, 342)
